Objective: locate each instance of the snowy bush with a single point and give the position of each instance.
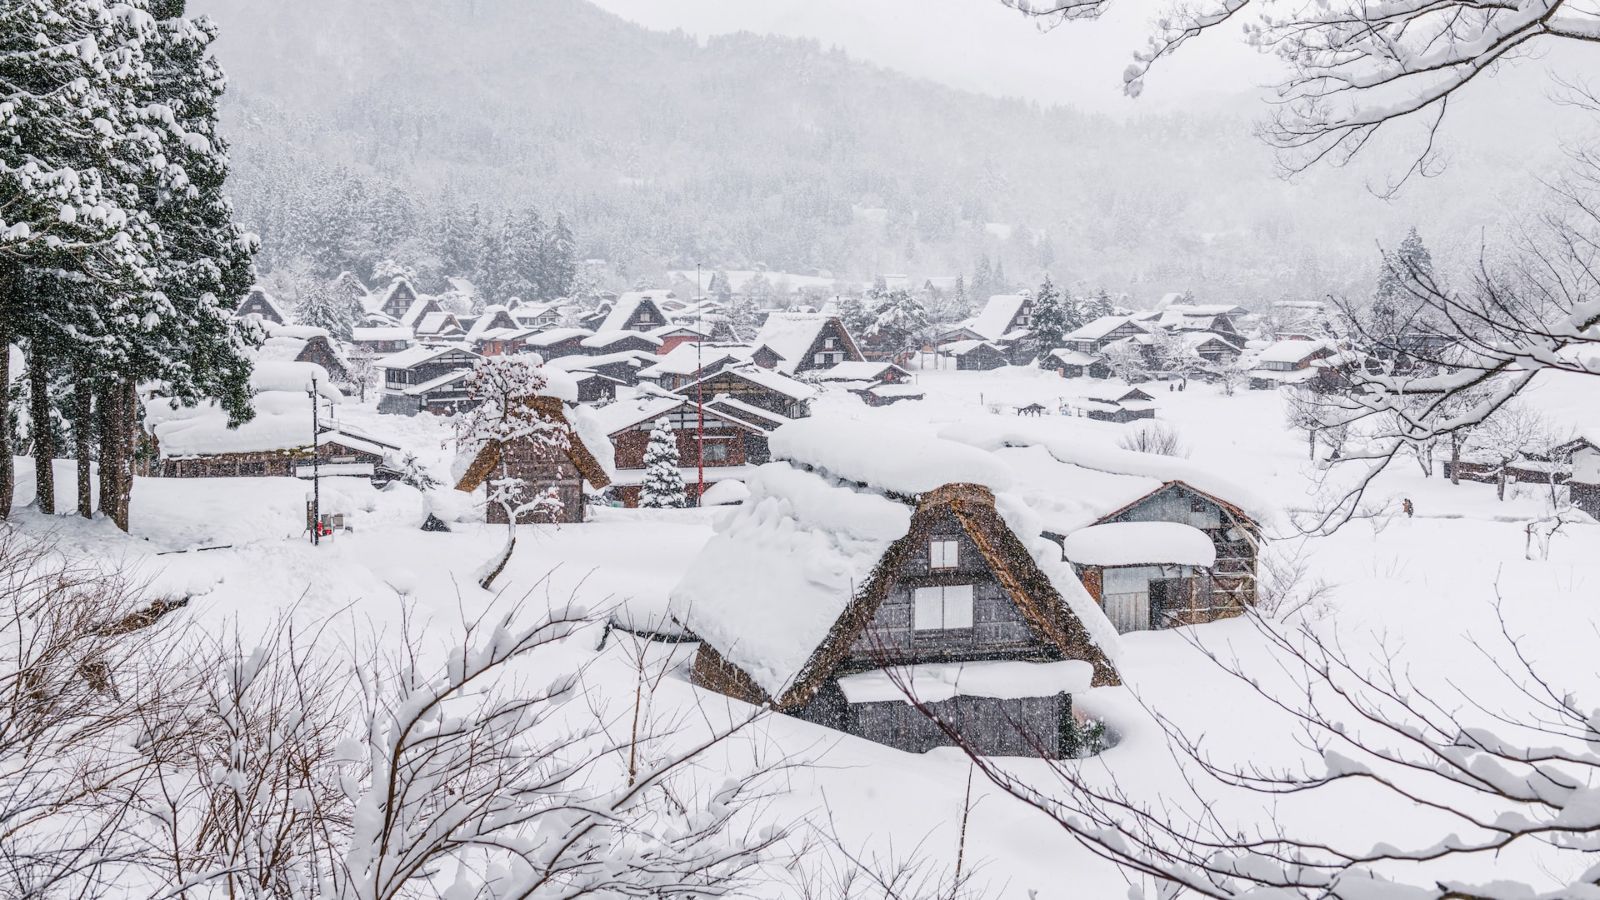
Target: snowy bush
(1154, 437)
(140, 756)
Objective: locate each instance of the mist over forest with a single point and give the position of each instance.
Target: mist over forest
(366, 130)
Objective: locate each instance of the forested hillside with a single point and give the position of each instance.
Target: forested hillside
(366, 129)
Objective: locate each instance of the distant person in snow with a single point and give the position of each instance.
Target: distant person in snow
(1405, 505)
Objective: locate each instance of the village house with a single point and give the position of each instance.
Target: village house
(553, 343)
(635, 311)
(395, 301)
(260, 304)
(1076, 364)
(763, 390)
(732, 446)
(381, 339)
(792, 343)
(1287, 362)
(493, 332)
(1212, 347)
(565, 466)
(1007, 322)
(197, 441)
(425, 378)
(872, 585)
(1195, 563)
(1218, 318)
(302, 343)
(622, 368)
(605, 343)
(437, 327)
(1094, 337)
(975, 355)
(1118, 405)
(534, 316)
(686, 363)
(1583, 483)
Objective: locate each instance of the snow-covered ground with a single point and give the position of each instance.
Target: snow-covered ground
(1422, 590)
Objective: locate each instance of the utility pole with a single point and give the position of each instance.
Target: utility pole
(699, 384)
(316, 482)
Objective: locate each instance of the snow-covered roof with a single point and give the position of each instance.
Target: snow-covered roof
(1072, 474)
(279, 395)
(363, 333)
(260, 293)
(556, 335)
(686, 359)
(1140, 543)
(625, 414)
(790, 335)
(811, 543)
(434, 322)
(1073, 357)
(412, 357)
(962, 348)
(895, 458)
(774, 381)
(727, 492)
(628, 304)
(744, 413)
(998, 312)
(605, 338)
(1099, 328)
(999, 678)
(859, 370)
(1290, 351)
(376, 302)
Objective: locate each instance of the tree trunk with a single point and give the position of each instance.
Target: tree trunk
(1455, 458)
(127, 436)
(1500, 484)
(1311, 444)
(105, 415)
(82, 430)
(44, 445)
(7, 475)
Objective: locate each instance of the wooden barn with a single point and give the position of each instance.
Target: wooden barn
(939, 598)
(1096, 336)
(540, 466)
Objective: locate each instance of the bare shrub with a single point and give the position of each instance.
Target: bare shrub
(1154, 437)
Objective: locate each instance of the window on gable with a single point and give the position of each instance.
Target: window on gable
(943, 554)
(821, 359)
(942, 608)
(829, 343)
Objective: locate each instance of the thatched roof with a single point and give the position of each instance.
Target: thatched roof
(1056, 618)
(578, 452)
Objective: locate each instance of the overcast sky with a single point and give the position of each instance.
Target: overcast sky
(983, 46)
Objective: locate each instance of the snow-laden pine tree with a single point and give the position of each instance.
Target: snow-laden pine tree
(1050, 318)
(900, 323)
(319, 307)
(75, 152)
(663, 484)
(558, 260)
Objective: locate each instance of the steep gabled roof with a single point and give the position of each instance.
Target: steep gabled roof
(1099, 328)
(829, 556)
(790, 335)
(398, 287)
(773, 381)
(997, 315)
(578, 451)
(260, 295)
(628, 304)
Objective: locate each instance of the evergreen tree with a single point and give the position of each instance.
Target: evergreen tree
(1097, 306)
(982, 281)
(1394, 306)
(855, 315)
(558, 261)
(663, 486)
(744, 318)
(719, 289)
(518, 272)
(1050, 317)
(319, 308)
(1001, 285)
(901, 322)
(963, 303)
(78, 144)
